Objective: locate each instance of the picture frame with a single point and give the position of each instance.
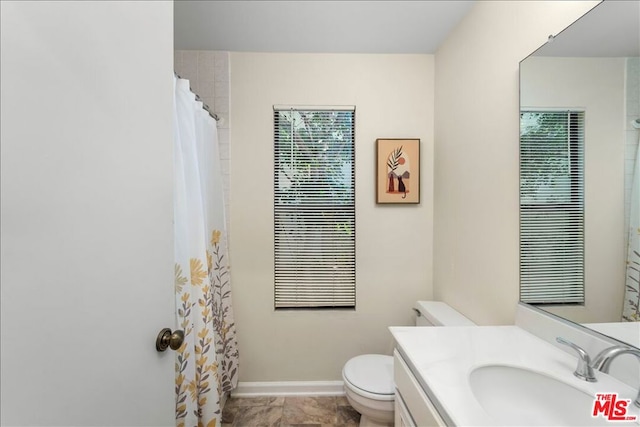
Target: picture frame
(398, 170)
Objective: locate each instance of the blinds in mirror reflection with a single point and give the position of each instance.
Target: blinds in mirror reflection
(552, 207)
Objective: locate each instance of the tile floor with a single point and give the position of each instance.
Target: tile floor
(290, 411)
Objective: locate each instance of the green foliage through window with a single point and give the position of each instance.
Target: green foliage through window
(314, 208)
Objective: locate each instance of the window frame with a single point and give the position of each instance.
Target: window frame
(319, 275)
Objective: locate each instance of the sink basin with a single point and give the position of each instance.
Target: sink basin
(519, 396)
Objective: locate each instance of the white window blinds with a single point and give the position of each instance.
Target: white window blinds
(552, 207)
(314, 208)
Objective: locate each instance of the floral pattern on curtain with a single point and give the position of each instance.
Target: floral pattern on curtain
(631, 307)
(207, 362)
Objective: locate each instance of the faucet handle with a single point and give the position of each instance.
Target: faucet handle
(583, 370)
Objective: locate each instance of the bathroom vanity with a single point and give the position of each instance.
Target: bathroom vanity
(494, 376)
(412, 406)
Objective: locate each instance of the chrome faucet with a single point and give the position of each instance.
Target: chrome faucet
(584, 371)
(605, 357)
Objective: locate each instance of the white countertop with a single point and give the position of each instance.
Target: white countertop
(443, 357)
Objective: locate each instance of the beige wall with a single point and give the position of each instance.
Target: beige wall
(476, 169)
(596, 85)
(474, 266)
(393, 95)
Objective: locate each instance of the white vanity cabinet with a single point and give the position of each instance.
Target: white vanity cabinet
(401, 413)
(494, 376)
(413, 408)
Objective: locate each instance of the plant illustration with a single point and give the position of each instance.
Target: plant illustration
(393, 161)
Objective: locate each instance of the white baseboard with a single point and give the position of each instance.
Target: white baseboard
(289, 388)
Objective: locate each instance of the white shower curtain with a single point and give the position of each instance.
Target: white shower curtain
(631, 307)
(207, 362)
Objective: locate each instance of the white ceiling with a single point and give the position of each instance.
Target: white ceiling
(316, 26)
(611, 29)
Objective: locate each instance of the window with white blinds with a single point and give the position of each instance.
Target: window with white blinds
(552, 207)
(314, 208)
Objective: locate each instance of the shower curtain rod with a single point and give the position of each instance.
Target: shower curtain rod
(206, 108)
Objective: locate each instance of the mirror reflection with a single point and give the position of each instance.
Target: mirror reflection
(580, 182)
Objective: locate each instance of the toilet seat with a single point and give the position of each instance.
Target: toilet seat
(371, 376)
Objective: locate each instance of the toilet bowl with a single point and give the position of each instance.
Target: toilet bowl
(368, 378)
(369, 388)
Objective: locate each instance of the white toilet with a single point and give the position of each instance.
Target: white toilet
(368, 379)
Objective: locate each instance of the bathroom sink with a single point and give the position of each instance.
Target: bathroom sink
(519, 396)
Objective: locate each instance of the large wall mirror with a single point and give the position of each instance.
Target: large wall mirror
(584, 85)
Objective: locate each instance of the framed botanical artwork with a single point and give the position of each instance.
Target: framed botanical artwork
(398, 170)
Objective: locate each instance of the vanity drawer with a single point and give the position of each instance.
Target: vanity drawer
(419, 405)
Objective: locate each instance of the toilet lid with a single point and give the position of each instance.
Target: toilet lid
(371, 372)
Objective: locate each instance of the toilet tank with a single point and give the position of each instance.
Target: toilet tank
(438, 313)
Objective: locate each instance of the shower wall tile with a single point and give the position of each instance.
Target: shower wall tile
(221, 66)
(205, 66)
(223, 135)
(632, 89)
(209, 100)
(222, 88)
(222, 104)
(190, 57)
(225, 168)
(205, 88)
